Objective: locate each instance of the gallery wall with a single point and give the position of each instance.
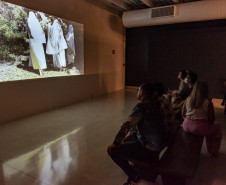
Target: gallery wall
(157, 53)
(103, 63)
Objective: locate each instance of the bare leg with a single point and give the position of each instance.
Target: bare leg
(40, 72)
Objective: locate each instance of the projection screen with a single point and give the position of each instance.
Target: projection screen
(35, 45)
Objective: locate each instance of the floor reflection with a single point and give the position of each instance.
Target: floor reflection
(68, 146)
(53, 160)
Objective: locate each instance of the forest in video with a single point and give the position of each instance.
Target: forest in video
(18, 57)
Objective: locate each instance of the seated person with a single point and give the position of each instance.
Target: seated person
(148, 130)
(165, 105)
(182, 87)
(199, 115)
(177, 105)
(191, 78)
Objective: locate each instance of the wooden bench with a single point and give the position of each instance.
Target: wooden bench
(179, 161)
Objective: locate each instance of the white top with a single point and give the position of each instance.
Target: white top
(199, 113)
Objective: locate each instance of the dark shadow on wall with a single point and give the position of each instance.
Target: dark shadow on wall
(115, 23)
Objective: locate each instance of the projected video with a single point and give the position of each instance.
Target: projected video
(37, 45)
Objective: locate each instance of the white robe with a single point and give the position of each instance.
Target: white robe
(44, 21)
(56, 44)
(71, 45)
(37, 38)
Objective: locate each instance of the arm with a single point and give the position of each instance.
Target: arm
(121, 136)
(167, 111)
(132, 120)
(125, 128)
(181, 90)
(129, 137)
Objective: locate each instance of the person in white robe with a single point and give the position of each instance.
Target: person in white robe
(56, 43)
(43, 20)
(70, 39)
(36, 40)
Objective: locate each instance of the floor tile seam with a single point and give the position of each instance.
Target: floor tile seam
(28, 175)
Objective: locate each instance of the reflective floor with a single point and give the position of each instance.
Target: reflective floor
(68, 146)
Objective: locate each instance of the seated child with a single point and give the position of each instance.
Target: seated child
(148, 131)
(199, 115)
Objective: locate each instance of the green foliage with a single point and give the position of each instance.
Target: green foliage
(13, 31)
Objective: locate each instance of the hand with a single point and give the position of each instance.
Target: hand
(110, 147)
(128, 138)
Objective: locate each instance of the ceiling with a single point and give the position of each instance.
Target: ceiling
(118, 6)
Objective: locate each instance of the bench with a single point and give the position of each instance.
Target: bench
(179, 161)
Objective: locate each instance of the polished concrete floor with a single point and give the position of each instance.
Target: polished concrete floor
(67, 146)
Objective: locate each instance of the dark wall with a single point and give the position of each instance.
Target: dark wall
(157, 53)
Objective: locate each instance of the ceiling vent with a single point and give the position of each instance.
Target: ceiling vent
(184, 12)
(165, 11)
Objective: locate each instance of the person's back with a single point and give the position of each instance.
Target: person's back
(179, 102)
(151, 130)
(199, 112)
(165, 106)
(147, 134)
(199, 115)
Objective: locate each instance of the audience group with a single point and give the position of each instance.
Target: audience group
(146, 131)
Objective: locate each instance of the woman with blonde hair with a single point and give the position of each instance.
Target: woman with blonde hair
(199, 115)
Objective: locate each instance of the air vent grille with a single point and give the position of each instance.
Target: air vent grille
(163, 12)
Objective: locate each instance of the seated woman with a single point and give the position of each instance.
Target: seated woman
(199, 115)
(173, 94)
